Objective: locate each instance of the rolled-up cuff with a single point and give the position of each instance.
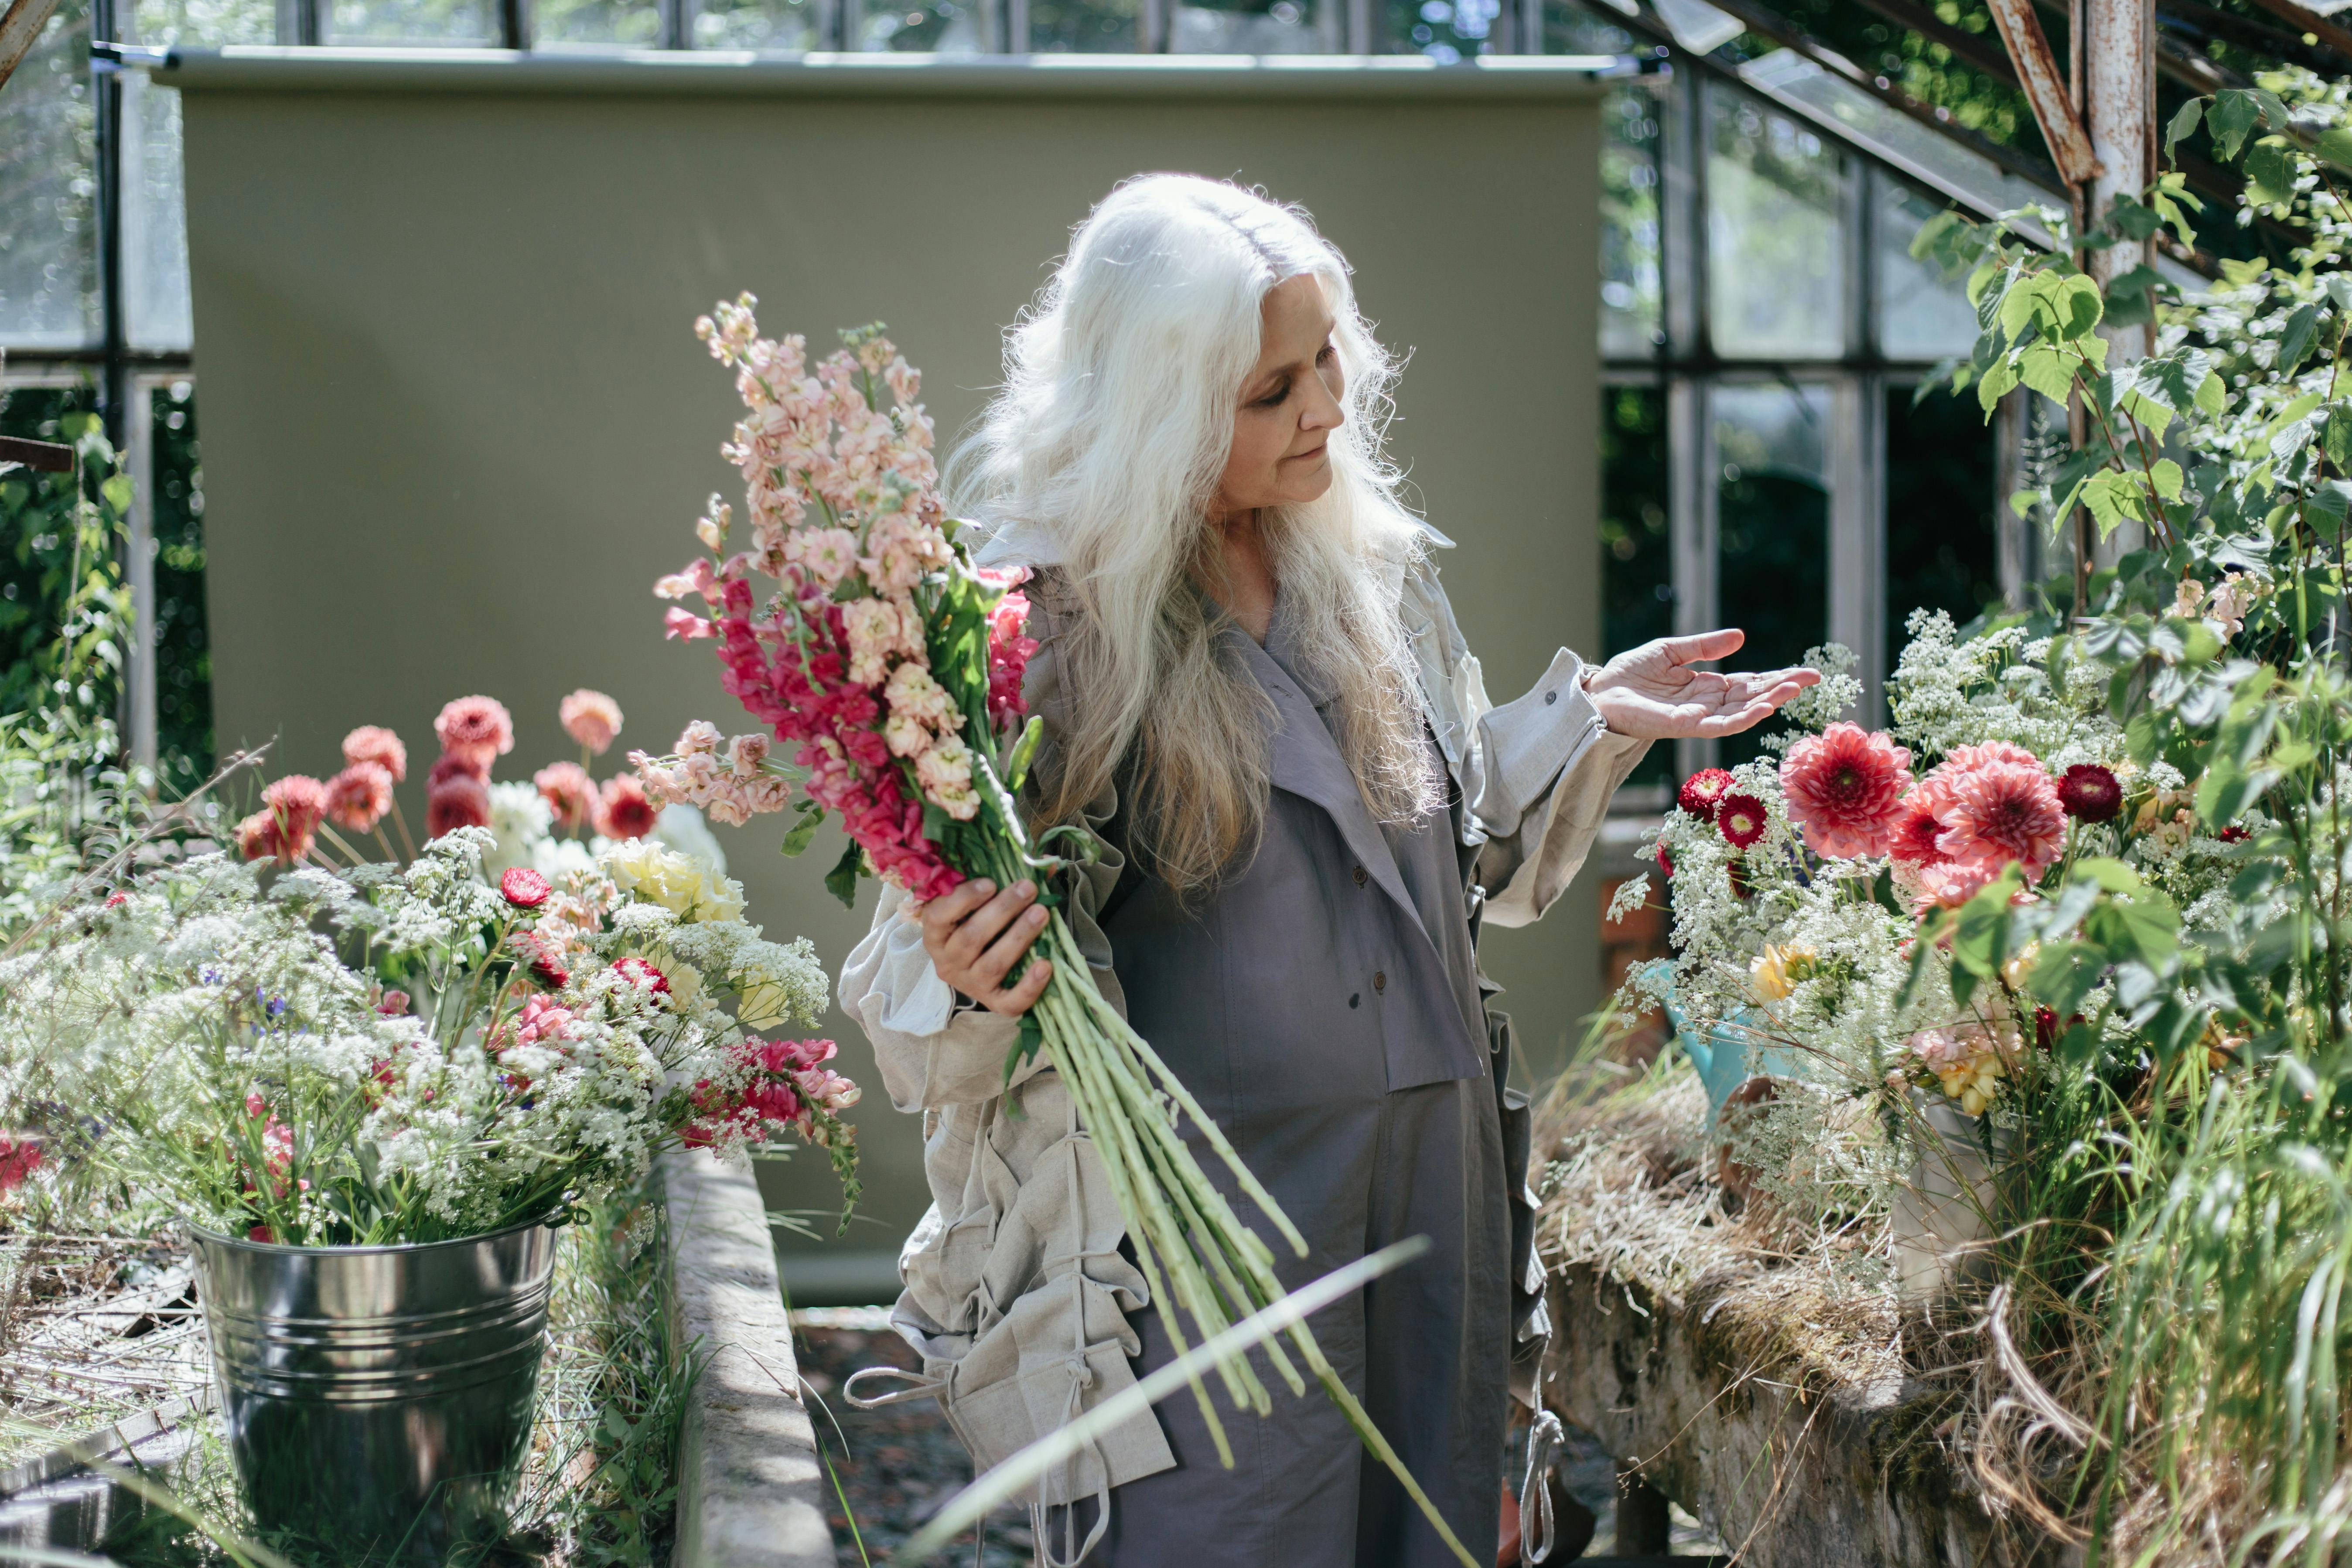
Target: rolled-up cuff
(1527, 742)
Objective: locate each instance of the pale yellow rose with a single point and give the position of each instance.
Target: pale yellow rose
(681, 884)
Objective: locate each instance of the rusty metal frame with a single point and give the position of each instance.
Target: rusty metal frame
(20, 29)
(2046, 90)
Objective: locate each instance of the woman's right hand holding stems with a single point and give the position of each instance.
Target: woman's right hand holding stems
(975, 935)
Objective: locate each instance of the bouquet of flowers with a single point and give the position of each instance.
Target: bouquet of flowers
(894, 666)
(408, 1054)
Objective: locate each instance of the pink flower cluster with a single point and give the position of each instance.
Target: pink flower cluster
(1978, 811)
(846, 515)
(784, 1085)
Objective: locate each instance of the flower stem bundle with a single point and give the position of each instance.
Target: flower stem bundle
(894, 666)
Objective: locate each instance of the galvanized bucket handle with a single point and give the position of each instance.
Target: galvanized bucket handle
(919, 1387)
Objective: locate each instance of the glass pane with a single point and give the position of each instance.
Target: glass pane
(155, 218)
(755, 25)
(1773, 526)
(1255, 28)
(207, 22)
(1942, 531)
(1775, 236)
(1570, 28)
(456, 22)
(183, 660)
(48, 192)
(943, 27)
(1444, 30)
(1637, 572)
(1629, 224)
(1922, 314)
(1085, 26)
(594, 24)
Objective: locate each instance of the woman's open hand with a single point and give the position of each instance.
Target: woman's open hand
(975, 935)
(1652, 693)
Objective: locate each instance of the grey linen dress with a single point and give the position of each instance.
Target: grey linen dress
(1325, 1005)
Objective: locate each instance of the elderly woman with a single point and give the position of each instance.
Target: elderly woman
(1259, 699)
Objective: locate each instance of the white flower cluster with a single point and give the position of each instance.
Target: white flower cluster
(395, 1055)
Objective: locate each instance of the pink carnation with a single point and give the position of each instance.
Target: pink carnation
(478, 727)
(373, 743)
(358, 797)
(570, 794)
(461, 801)
(1843, 788)
(456, 765)
(624, 811)
(2000, 812)
(589, 718)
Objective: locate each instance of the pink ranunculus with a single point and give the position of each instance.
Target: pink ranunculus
(459, 801)
(2001, 811)
(624, 811)
(358, 797)
(589, 718)
(455, 765)
(1843, 788)
(478, 727)
(373, 743)
(543, 1020)
(570, 794)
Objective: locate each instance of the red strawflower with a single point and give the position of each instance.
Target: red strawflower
(1741, 819)
(358, 797)
(637, 971)
(624, 811)
(1702, 791)
(523, 888)
(373, 743)
(2089, 792)
(1665, 862)
(480, 727)
(2233, 835)
(570, 794)
(462, 801)
(1843, 788)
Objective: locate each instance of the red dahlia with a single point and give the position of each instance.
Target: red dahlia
(2090, 793)
(1741, 819)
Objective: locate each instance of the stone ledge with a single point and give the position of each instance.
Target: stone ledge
(750, 1488)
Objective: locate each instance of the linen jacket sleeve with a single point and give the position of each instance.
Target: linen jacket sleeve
(1536, 774)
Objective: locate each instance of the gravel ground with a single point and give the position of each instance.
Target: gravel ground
(897, 1464)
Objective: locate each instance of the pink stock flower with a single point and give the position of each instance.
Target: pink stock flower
(541, 1019)
(358, 797)
(570, 794)
(745, 755)
(701, 737)
(459, 801)
(589, 718)
(697, 578)
(624, 811)
(826, 554)
(373, 743)
(2003, 812)
(476, 727)
(686, 625)
(1843, 788)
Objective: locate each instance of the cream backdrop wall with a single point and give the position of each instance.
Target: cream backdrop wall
(454, 421)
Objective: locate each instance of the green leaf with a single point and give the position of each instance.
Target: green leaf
(1995, 384)
(2274, 109)
(2078, 306)
(2270, 172)
(2064, 974)
(2302, 330)
(2335, 144)
(2114, 499)
(116, 492)
(842, 880)
(802, 832)
(2235, 112)
(2183, 124)
(2047, 371)
(2168, 479)
(2211, 396)
(2108, 873)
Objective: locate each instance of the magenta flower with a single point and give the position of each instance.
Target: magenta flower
(523, 888)
(459, 801)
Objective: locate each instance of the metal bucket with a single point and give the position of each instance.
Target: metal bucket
(377, 1399)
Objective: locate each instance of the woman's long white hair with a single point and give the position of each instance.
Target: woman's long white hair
(1110, 433)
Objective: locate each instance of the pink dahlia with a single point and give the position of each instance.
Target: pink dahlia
(2001, 812)
(1913, 841)
(1844, 789)
(1947, 884)
(2090, 793)
(624, 811)
(257, 838)
(1702, 791)
(358, 797)
(570, 794)
(456, 765)
(373, 743)
(589, 718)
(478, 727)
(299, 803)
(1741, 819)
(461, 801)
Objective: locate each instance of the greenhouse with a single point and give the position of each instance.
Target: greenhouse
(776, 778)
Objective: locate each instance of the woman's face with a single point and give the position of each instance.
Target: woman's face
(1289, 405)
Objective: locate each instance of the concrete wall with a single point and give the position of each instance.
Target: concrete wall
(456, 422)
